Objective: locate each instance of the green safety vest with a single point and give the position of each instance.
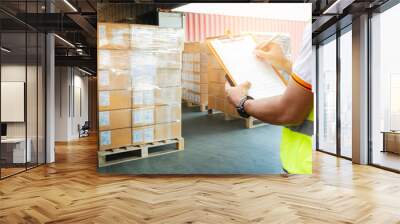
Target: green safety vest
(296, 147)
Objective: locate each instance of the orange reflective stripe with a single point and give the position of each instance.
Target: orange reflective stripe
(301, 82)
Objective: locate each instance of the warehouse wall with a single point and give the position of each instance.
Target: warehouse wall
(71, 102)
(199, 26)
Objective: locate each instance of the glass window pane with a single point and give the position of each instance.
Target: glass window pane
(327, 97)
(31, 97)
(41, 98)
(385, 84)
(346, 94)
(14, 146)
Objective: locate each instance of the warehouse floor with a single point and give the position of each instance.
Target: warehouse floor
(213, 146)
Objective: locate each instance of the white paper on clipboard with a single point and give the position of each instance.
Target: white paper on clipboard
(237, 55)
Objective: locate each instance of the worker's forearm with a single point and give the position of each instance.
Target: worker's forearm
(270, 110)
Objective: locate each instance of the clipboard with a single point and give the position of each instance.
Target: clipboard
(236, 55)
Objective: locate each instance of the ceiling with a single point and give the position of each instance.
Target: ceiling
(75, 20)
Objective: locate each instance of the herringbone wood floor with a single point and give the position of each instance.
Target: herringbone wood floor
(71, 191)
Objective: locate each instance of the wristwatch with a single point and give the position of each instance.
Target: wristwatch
(240, 108)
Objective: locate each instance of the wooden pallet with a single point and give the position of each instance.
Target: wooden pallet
(203, 107)
(136, 152)
(250, 122)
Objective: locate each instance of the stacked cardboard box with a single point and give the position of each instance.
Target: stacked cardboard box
(217, 99)
(194, 74)
(139, 84)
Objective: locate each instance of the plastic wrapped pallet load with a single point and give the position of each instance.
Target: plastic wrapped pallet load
(194, 74)
(139, 84)
(113, 36)
(217, 99)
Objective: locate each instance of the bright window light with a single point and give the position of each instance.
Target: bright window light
(338, 6)
(84, 71)
(70, 5)
(281, 11)
(5, 50)
(65, 41)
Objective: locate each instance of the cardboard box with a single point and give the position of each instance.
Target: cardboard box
(196, 98)
(113, 36)
(168, 78)
(220, 104)
(168, 131)
(192, 47)
(204, 77)
(144, 77)
(216, 89)
(156, 38)
(141, 135)
(158, 132)
(168, 113)
(156, 115)
(115, 99)
(213, 63)
(171, 95)
(113, 79)
(191, 57)
(143, 98)
(204, 98)
(196, 87)
(113, 59)
(157, 59)
(143, 116)
(203, 88)
(216, 75)
(158, 96)
(115, 119)
(112, 139)
(212, 104)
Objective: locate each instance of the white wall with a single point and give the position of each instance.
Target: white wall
(33, 126)
(71, 93)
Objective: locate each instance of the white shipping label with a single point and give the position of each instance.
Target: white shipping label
(137, 136)
(137, 116)
(104, 58)
(104, 78)
(143, 116)
(104, 118)
(105, 138)
(102, 35)
(104, 98)
(148, 116)
(138, 98)
(118, 36)
(148, 97)
(148, 134)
